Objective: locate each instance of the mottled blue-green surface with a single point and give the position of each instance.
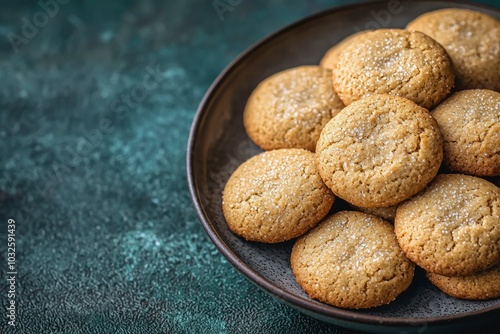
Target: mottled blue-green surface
(95, 109)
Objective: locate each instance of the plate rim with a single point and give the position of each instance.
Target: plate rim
(328, 311)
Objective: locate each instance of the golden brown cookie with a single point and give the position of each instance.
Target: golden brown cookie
(452, 228)
(331, 56)
(471, 38)
(470, 125)
(379, 151)
(481, 286)
(290, 108)
(396, 62)
(351, 260)
(275, 196)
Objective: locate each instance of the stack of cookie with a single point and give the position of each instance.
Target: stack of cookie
(404, 126)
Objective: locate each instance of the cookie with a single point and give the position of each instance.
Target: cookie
(275, 196)
(471, 38)
(452, 228)
(330, 58)
(397, 62)
(290, 108)
(351, 260)
(481, 286)
(379, 151)
(386, 213)
(470, 125)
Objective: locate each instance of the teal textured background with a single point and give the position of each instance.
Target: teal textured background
(95, 109)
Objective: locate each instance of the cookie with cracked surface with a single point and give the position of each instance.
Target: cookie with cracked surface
(379, 151)
(290, 108)
(452, 228)
(331, 56)
(470, 125)
(471, 38)
(351, 260)
(275, 196)
(397, 62)
(481, 286)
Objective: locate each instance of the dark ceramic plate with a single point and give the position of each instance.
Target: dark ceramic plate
(218, 144)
